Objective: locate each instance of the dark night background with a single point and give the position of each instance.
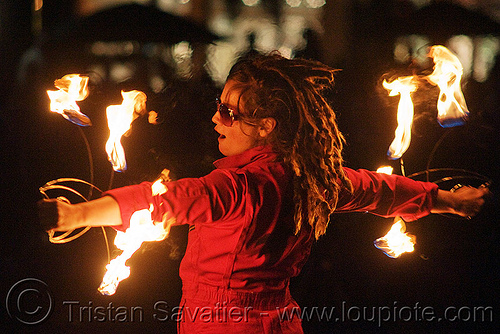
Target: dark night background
(455, 263)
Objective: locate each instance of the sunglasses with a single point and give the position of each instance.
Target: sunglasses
(227, 115)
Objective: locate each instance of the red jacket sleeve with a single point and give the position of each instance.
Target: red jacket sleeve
(189, 201)
(387, 195)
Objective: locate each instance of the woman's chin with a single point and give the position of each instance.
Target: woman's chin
(222, 148)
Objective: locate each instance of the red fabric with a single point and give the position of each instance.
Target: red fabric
(241, 217)
(211, 309)
(387, 195)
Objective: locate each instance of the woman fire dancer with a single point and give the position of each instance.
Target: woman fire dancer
(254, 218)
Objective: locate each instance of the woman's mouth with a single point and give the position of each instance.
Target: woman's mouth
(221, 136)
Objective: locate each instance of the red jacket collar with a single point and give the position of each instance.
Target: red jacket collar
(243, 159)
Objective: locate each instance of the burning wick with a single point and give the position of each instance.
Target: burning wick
(142, 228)
(403, 86)
(396, 241)
(385, 170)
(452, 109)
(72, 88)
(120, 118)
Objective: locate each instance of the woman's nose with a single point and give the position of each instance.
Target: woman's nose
(216, 117)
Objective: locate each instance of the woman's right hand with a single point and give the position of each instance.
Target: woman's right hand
(57, 215)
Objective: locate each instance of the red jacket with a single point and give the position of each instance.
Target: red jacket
(241, 217)
(242, 250)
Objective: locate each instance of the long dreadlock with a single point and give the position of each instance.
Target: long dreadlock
(306, 134)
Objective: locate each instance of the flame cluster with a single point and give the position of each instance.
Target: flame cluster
(142, 229)
(452, 111)
(396, 241)
(72, 88)
(451, 106)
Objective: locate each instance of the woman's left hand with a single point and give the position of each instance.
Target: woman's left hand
(466, 201)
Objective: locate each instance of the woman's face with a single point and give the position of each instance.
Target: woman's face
(240, 136)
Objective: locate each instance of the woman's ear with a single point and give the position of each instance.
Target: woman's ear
(266, 126)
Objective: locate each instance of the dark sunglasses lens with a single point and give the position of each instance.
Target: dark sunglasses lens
(224, 115)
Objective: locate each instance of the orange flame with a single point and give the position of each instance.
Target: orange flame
(452, 109)
(403, 86)
(396, 241)
(142, 228)
(120, 118)
(72, 88)
(385, 170)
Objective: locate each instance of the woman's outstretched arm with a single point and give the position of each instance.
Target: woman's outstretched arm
(60, 216)
(395, 195)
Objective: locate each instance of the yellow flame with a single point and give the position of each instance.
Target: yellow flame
(385, 170)
(153, 117)
(403, 86)
(142, 228)
(396, 241)
(452, 109)
(120, 118)
(159, 187)
(72, 88)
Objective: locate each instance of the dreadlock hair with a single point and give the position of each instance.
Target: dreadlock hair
(306, 134)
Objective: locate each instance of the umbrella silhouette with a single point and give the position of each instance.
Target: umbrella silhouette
(140, 23)
(441, 20)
